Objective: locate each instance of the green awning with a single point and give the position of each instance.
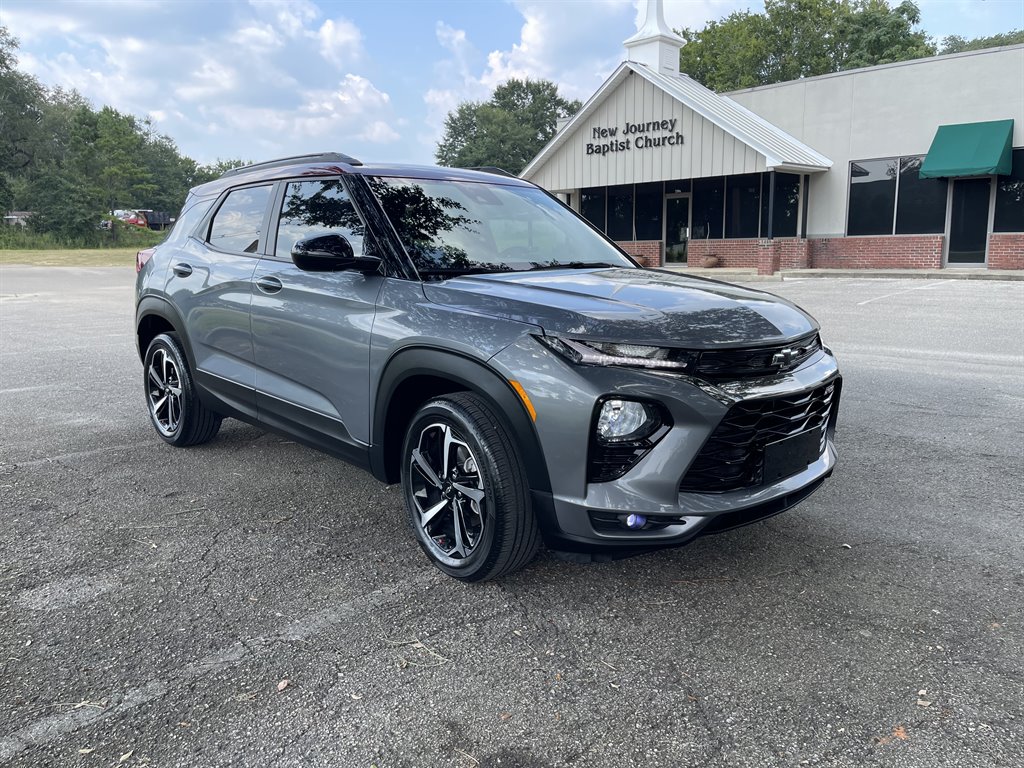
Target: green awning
(970, 149)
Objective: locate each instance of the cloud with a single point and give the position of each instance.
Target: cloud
(340, 41)
(210, 79)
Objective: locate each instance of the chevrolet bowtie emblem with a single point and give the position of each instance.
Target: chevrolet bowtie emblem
(783, 357)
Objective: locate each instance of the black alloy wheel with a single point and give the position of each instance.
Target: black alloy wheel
(177, 413)
(465, 490)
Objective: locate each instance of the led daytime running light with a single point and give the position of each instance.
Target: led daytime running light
(588, 353)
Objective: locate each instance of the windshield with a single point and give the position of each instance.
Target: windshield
(462, 227)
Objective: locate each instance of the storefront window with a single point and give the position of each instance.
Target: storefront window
(872, 197)
(787, 205)
(742, 205)
(592, 204)
(620, 212)
(921, 207)
(1009, 214)
(708, 206)
(649, 206)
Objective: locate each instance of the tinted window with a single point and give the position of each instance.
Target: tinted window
(592, 206)
(707, 208)
(1010, 197)
(872, 197)
(620, 212)
(787, 204)
(238, 223)
(453, 227)
(649, 204)
(742, 205)
(312, 208)
(921, 207)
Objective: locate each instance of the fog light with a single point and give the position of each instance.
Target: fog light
(621, 419)
(635, 521)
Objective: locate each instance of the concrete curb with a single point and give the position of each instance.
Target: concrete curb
(750, 275)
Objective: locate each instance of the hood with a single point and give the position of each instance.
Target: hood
(638, 305)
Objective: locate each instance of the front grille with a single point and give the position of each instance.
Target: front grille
(756, 361)
(733, 456)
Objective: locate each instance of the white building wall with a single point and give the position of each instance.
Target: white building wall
(706, 150)
(888, 111)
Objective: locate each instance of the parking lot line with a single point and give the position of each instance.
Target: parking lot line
(937, 284)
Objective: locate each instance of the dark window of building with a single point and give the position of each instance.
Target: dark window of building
(620, 212)
(872, 197)
(313, 208)
(238, 223)
(592, 206)
(1009, 214)
(786, 209)
(742, 205)
(807, 207)
(766, 180)
(708, 207)
(649, 204)
(678, 187)
(921, 203)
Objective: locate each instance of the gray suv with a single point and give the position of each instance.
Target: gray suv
(468, 335)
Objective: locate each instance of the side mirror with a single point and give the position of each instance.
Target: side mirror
(330, 253)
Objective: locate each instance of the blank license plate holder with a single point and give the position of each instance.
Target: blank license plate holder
(791, 455)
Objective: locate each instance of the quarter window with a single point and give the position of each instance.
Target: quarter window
(238, 223)
(313, 208)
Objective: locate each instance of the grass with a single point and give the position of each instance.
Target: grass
(70, 257)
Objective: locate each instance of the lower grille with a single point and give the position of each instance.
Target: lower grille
(733, 456)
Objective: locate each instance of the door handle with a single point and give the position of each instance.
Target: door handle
(181, 269)
(269, 284)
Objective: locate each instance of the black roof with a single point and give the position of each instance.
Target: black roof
(334, 163)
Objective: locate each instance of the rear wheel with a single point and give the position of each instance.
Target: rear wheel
(465, 490)
(174, 406)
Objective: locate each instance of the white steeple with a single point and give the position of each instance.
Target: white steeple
(655, 44)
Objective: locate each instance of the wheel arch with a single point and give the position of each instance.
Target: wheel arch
(155, 316)
(413, 376)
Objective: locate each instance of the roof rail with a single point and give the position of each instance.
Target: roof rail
(493, 169)
(320, 157)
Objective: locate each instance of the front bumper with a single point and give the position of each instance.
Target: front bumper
(581, 516)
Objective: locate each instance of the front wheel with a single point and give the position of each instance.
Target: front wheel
(465, 490)
(178, 415)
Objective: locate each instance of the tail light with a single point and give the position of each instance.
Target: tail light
(142, 257)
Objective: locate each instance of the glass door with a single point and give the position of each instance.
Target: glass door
(677, 227)
(968, 222)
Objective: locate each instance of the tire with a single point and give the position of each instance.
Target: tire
(175, 410)
(475, 524)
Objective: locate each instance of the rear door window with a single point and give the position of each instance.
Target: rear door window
(238, 223)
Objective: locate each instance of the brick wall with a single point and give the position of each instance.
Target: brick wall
(1006, 250)
(884, 252)
(647, 252)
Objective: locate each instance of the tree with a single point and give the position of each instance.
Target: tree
(505, 131)
(878, 34)
(957, 44)
(801, 38)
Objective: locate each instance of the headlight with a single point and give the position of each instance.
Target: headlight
(612, 353)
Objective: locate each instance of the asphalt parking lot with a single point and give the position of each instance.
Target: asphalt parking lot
(153, 600)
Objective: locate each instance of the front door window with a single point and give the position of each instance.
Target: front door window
(677, 227)
(968, 221)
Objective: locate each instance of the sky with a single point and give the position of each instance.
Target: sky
(257, 79)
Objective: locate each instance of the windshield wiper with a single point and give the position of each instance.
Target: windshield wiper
(575, 265)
